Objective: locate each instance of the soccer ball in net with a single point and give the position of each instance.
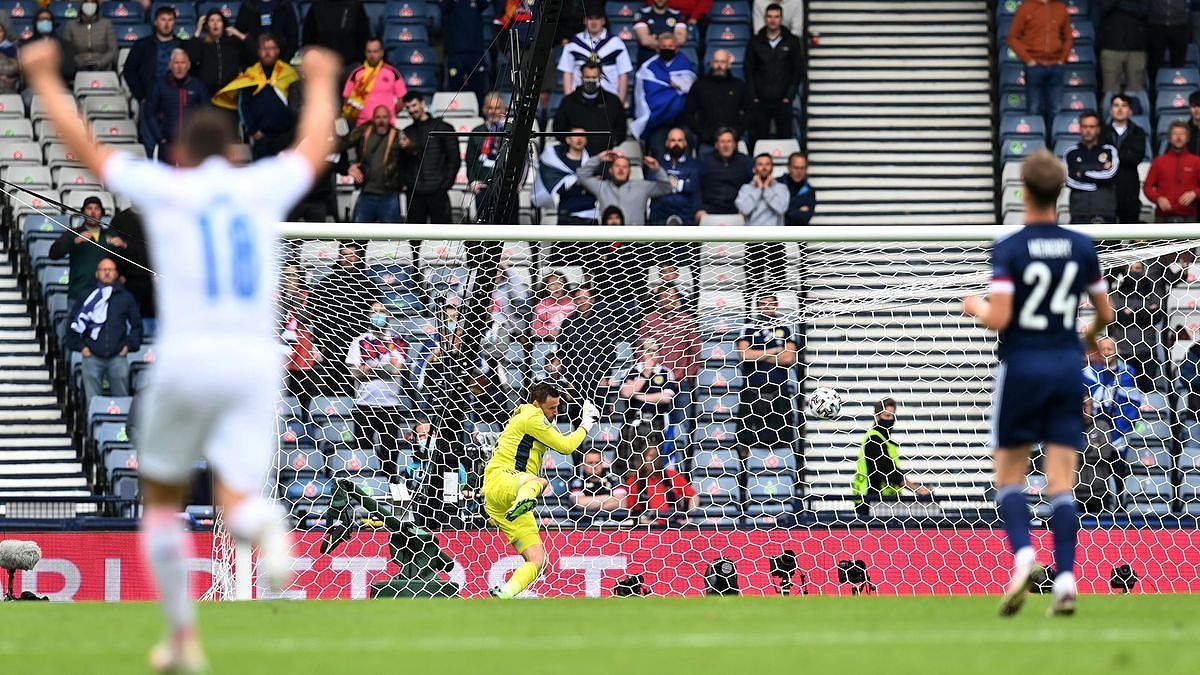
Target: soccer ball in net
(824, 403)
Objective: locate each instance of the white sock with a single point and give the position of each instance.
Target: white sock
(1024, 557)
(251, 518)
(165, 545)
(1064, 583)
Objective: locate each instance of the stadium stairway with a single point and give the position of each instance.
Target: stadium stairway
(36, 456)
(899, 112)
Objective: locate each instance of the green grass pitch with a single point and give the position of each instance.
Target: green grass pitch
(751, 635)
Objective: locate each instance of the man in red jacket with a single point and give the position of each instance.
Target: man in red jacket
(1174, 179)
(1042, 38)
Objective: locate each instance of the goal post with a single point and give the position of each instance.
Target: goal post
(701, 345)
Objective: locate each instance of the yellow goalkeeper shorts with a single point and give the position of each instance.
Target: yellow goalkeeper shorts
(499, 493)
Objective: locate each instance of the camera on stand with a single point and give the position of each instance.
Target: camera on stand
(783, 568)
(854, 572)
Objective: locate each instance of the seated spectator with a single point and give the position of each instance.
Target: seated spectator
(878, 474)
(774, 71)
(1112, 389)
(768, 352)
(1130, 141)
(1174, 179)
(260, 96)
(10, 69)
(377, 168)
(171, 102)
(555, 305)
(84, 248)
(1122, 45)
(1189, 379)
(1093, 489)
(277, 18)
(655, 494)
(802, 201)
(218, 51)
(376, 360)
(723, 172)
(660, 93)
(616, 272)
(631, 196)
(679, 207)
(92, 38)
(595, 43)
(557, 166)
(717, 100)
(44, 28)
(375, 83)
(763, 202)
(597, 489)
(651, 22)
(105, 326)
(338, 25)
(1042, 38)
(482, 152)
(148, 63)
(294, 332)
(591, 108)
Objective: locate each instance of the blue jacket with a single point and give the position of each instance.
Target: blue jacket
(1114, 393)
(684, 200)
(140, 67)
(1189, 370)
(122, 328)
(168, 104)
(802, 201)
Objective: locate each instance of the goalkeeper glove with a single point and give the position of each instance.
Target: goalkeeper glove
(590, 416)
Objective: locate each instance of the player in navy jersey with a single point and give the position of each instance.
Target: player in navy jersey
(1039, 274)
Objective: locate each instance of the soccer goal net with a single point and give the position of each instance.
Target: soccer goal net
(715, 462)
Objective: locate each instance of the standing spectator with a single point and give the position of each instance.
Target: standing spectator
(679, 206)
(135, 263)
(723, 172)
(793, 13)
(717, 100)
(774, 71)
(597, 489)
(591, 108)
(295, 334)
(1092, 489)
(218, 51)
(557, 167)
(1168, 29)
(462, 28)
(587, 345)
(1193, 122)
(339, 306)
(802, 197)
(1122, 43)
(339, 25)
(260, 95)
(768, 353)
(375, 83)
(148, 62)
(630, 195)
(1110, 383)
(695, 11)
(320, 204)
(482, 152)
(677, 333)
(376, 360)
(1091, 174)
(615, 271)
(555, 305)
(1189, 379)
(437, 163)
(660, 93)
(85, 247)
(595, 43)
(44, 28)
(10, 69)
(92, 38)
(270, 17)
(378, 168)
(651, 22)
(650, 390)
(763, 202)
(1140, 300)
(1041, 37)
(105, 326)
(1130, 141)
(1174, 179)
(170, 103)
(878, 473)
(657, 494)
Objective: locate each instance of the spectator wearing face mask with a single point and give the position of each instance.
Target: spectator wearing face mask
(44, 29)
(591, 108)
(878, 473)
(10, 70)
(92, 37)
(660, 93)
(376, 360)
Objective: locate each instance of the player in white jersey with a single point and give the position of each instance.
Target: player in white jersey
(213, 389)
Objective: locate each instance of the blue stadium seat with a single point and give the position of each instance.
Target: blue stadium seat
(713, 490)
(129, 34)
(23, 28)
(719, 352)
(107, 409)
(1177, 77)
(1081, 56)
(122, 12)
(1065, 124)
(1077, 101)
(228, 9)
(734, 11)
(623, 10)
(1012, 78)
(1081, 77)
(348, 461)
(38, 226)
(1085, 32)
(1013, 102)
(1192, 58)
(720, 379)
(717, 407)
(766, 460)
(400, 288)
(1022, 124)
(623, 29)
(408, 55)
(311, 490)
(39, 254)
(64, 10)
(1161, 130)
(1172, 100)
(720, 33)
(1016, 146)
(332, 432)
(420, 78)
(375, 12)
(20, 9)
(714, 435)
(1007, 8)
(769, 491)
(1062, 145)
(405, 11)
(322, 408)
(53, 277)
(396, 34)
(1078, 10)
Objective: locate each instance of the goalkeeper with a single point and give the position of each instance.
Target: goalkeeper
(511, 484)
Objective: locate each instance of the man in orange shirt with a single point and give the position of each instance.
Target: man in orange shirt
(1174, 179)
(1041, 37)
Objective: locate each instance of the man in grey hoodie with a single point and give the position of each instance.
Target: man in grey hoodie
(631, 196)
(764, 201)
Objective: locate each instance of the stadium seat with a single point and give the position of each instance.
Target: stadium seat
(734, 11)
(1164, 123)
(37, 111)
(20, 152)
(23, 28)
(714, 490)
(769, 493)
(1172, 99)
(72, 197)
(107, 409)
(185, 13)
(1177, 77)
(1013, 102)
(322, 408)
(105, 107)
(404, 11)
(1140, 103)
(623, 10)
(713, 435)
(1082, 77)
(20, 9)
(1012, 78)
(115, 130)
(375, 12)
(228, 9)
(719, 379)
(404, 56)
(1065, 125)
(420, 78)
(31, 176)
(1077, 101)
(63, 10)
(395, 34)
(779, 149)
(464, 124)
(96, 82)
(400, 289)
(726, 219)
(1022, 124)
(123, 12)
(12, 105)
(71, 177)
(1078, 10)
(454, 104)
(1016, 146)
(718, 35)
(1062, 145)
(718, 408)
(127, 35)
(1082, 57)
(1085, 32)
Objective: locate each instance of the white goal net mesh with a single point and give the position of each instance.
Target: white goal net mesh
(405, 361)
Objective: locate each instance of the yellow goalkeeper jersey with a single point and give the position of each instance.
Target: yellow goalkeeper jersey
(526, 438)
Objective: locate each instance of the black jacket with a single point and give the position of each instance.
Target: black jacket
(603, 113)
(340, 25)
(122, 328)
(135, 264)
(720, 180)
(1123, 28)
(284, 25)
(217, 63)
(1131, 150)
(139, 66)
(714, 103)
(802, 201)
(774, 73)
(437, 157)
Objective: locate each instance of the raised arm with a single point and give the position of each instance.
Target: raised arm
(40, 61)
(314, 138)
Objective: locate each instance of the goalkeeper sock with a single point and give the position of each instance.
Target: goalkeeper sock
(531, 489)
(1014, 512)
(165, 546)
(1064, 522)
(520, 579)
